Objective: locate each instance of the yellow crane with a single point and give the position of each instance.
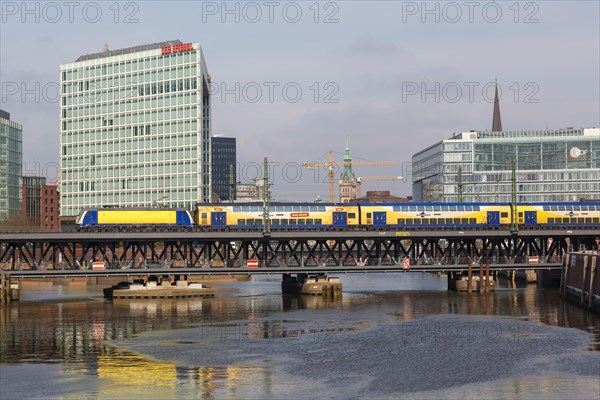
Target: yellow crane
(330, 164)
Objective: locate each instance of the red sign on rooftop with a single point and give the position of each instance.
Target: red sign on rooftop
(177, 48)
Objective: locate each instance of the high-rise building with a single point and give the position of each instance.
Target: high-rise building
(11, 155)
(41, 203)
(476, 166)
(135, 128)
(223, 160)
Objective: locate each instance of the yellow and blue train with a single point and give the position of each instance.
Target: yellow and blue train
(292, 216)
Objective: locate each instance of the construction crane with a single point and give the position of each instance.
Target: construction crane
(375, 178)
(330, 164)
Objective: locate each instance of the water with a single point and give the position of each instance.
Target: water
(389, 336)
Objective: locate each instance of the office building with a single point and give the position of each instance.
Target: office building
(40, 204)
(11, 154)
(551, 165)
(223, 161)
(135, 128)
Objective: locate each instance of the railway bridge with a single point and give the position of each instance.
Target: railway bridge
(341, 250)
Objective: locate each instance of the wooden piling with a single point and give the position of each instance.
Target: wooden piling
(591, 287)
(487, 277)
(470, 278)
(585, 267)
(480, 277)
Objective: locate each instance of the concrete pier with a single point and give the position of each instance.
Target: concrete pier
(311, 284)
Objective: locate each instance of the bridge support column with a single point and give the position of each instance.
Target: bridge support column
(315, 284)
(5, 290)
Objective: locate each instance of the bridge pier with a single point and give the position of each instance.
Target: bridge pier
(8, 291)
(484, 282)
(318, 284)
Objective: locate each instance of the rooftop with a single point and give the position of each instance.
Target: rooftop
(128, 50)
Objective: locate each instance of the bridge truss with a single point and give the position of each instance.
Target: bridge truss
(349, 249)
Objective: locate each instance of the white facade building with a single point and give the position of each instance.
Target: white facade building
(135, 128)
(551, 165)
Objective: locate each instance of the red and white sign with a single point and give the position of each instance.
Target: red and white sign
(299, 215)
(178, 48)
(98, 266)
(406, 263)
(253, 263)
(534, 260)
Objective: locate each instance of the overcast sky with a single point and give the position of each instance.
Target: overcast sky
(395, 77)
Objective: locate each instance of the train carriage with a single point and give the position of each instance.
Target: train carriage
(425, 215)
(282, 215)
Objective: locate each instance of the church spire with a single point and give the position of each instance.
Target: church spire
(497, 121)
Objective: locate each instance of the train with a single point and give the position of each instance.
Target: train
(322, 216)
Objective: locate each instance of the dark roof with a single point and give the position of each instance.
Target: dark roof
(4, 114)
(128, 50)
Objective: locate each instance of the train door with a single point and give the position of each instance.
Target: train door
(340, 218)
(493, 217)
(379, 218)
(218, 218)
(530, 217)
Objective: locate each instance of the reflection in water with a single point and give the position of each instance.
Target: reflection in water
(78, 333)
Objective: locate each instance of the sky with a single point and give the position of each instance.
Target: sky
(294, 80)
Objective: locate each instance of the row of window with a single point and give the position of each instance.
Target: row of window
(275, 208)
(408, 208)
(572, 208)
(140, 64)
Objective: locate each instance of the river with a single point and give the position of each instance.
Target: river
(389, 336)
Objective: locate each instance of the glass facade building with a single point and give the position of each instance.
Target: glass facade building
(11, 156)
(223, 156)
(135, 128)
(551, 165)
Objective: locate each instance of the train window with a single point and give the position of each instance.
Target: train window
(275, 221)
(475, 208)
(236, 208)
(448, 220)
(241, 221)
(292, 222)
(409, 221)
(309, 221)
(405, 208)
(468, 208)
(580, 220)
(425, 221)
(576, 208)
(588, 220)
(245, 208)
(460, 208)
(368, 215)
(312, 208)
(457, 220)
(550, 220)
(472, 221)
(561, 208)
(413, 208)
(417, 221)
(204, 216)
(444, 208)
(351, 215)
(452, 208)
(596, 220)
(553, 208)
(401, 221)
(565, 220)
(318, 221)
(573, 220)
(503, 215)
(301, 221)
(284, 221)
(546, 208)
(288, 208)
(428, 208)
(296, 208)
(433, 221)
(437, 208)
(321, 208)
(254, 209)
(396, 208)
(465, 221)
